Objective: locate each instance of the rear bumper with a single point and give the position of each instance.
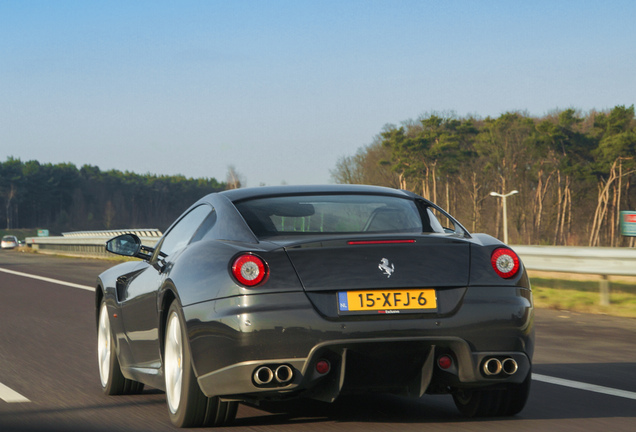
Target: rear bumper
(232, 338)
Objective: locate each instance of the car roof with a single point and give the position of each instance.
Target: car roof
(235, 195)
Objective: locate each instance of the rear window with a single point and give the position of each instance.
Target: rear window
(335, 214)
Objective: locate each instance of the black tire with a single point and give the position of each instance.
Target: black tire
(187, 405)
(515, 397)
(501, 402)
(477, 403)
(112, 380)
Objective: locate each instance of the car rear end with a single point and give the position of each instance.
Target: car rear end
(9, 242)
(379, 295)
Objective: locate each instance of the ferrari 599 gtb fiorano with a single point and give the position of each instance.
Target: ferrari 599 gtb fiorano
(277, 293)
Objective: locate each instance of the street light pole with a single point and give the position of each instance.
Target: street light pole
(505, 213)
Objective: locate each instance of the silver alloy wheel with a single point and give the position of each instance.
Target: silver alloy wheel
(104, 345)
(173, 366)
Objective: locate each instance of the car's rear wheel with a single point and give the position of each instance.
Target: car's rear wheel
(500, 402)
(515, 397)
(112, 380)
(187, 405)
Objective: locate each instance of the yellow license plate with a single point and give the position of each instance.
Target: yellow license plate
(387, 301)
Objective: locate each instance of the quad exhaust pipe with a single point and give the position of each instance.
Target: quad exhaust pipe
(265, 375)
(509, 366)
(283, 374)
(494, 366)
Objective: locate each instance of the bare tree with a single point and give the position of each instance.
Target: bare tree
(10, 195)
(234, 179)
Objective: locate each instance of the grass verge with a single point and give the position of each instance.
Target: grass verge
(581, 293)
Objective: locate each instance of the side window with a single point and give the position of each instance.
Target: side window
(439, 222)
(180, 234)
(205, 227)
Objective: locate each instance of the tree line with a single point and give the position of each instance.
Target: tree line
(63, 198)
(573, 171)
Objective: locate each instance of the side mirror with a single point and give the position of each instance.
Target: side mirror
(128, 245)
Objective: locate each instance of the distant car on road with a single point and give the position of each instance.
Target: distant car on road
(9, 242)
(276, 293)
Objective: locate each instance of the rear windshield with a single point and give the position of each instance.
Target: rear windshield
(335, 214)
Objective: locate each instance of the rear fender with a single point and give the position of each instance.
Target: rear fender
(203, 272)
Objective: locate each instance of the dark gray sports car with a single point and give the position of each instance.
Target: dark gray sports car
(276, 293)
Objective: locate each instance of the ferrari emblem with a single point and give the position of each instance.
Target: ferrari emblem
(386, 267)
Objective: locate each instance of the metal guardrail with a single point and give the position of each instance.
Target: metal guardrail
(90, 244)
(587, 260)
(146, 232)
(584, 260)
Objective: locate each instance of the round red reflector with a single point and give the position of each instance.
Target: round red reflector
(505, 262)
(444, 362)
(322, 367)
(249, 270)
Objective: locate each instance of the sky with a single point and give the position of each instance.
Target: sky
(281, 90)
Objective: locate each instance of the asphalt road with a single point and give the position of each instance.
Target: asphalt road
(49, 379)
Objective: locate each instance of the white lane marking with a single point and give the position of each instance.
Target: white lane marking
(584, 386)
(42, 278)
(6, 394)
(11, 396)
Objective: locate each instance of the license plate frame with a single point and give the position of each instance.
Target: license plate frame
(387, 301)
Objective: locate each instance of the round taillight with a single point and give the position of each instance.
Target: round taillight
(249, 270)
(505, 262)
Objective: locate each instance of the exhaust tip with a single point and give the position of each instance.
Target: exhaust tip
(263, 375)
(492, 366)
(509, 366)
(284, 374)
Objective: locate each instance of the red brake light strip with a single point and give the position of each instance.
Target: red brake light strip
(369, 242)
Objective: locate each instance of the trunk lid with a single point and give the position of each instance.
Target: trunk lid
(432, 260)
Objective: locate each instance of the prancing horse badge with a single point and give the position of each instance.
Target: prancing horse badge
(386, 267)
